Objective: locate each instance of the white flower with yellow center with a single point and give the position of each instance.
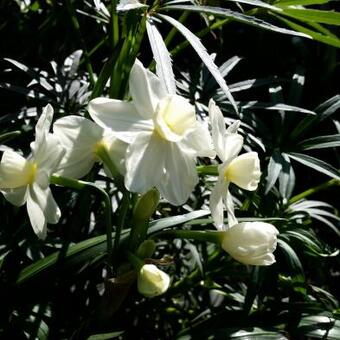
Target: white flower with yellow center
(27, 180)
(152, 281)
(83, 140)
(163, 133)
(243, 170)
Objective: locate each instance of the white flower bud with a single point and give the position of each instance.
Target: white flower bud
(152, 281)
(251, 243)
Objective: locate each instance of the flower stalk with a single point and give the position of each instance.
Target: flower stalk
(80, 185)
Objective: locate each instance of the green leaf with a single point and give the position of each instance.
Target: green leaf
(285, 3)
(162, 58)
(203, 54)
(273, 171)
(320, 142)
(323, 111)
(5, 137)
(292, 259)
(240, 17)
(320, 326)
(315, 164)
(75, 254)
(175, 220)
(326, 39)
(313, 15)
(273, 106)
(105, 336)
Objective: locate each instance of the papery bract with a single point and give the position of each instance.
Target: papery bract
(152, 281)
(27, 180)
(163, 133)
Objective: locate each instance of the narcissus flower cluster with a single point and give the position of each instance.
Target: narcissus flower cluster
(153, 141)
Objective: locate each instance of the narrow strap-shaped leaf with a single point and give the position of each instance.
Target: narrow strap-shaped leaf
(273, 106)
(274, 169)
(286, 3)
(320, 142)
(162, 57)
(315, 164)
(313, 15)
(326, 39)
(246, 19)
(203, 54)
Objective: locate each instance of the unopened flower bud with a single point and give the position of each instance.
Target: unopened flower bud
(152, 281)
(251, 243)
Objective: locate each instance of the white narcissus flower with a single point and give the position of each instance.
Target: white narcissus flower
(163, 134)
(152, 281)
(82, 139)
(27, 180)
(251, 242)
(243, 170)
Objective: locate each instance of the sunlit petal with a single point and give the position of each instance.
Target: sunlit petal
(121, 117)
(180, 177)
(244, 171)
(145, 162)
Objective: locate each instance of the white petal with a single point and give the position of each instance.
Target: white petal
(217, 196)
(41, 208)
(218, 128)
(180, 177)
(121, 117)
(156, 85)
(199, 142)
(15, 170)
(76, 131)
(143, 96)
(226, 141)
(16, 196)
(48, 154)
(44, 123)
(117, 151)
(76, 163)
(230, 209)
(145, 162)
(79, 136)
(244, 171)
(232, 146)
(36, 215)
(175, 118)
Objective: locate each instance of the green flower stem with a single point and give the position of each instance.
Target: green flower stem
(205, 236)
(144, 208)
(5, 137)
(114, 24)
(76, 27)
(123, 209)
(103, 154)
(207, 170)
(311, 191)
(135, 260)
(80, 185)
